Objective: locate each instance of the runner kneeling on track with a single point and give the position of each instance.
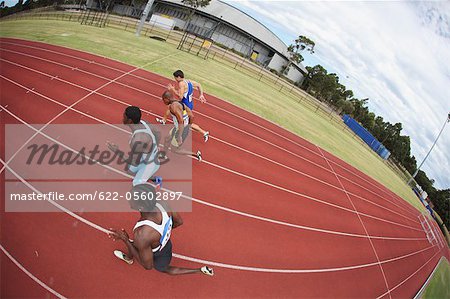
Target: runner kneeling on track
(181, 114)
(144, 148)
(151, 246)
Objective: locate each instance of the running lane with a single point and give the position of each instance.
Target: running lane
(228, 232)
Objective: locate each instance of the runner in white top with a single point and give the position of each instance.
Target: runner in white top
(164, 229)
(143, 161)
(151, 246)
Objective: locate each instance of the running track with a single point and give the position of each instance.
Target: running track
(276, 215)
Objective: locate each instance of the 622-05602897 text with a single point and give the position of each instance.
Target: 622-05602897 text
(103, 196)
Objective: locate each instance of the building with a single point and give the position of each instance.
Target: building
(232, 28)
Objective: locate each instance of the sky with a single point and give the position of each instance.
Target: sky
(395, 53)
(10, 3)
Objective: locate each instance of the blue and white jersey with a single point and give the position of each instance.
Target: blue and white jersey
(187, 96)
(164, 229)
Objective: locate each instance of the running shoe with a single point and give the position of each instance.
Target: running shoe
(162, 156)
(199, 156)
(207, 270)
(158, 181)
(206, 136)
(122, 256)
(161, 120)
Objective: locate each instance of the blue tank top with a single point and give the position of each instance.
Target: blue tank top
(187, 96)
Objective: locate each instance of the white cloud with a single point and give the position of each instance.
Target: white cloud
(395, 53)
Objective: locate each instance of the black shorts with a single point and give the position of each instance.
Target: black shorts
(161, 259)
(173, 137)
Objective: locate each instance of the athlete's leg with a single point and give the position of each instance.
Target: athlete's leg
(177, 149)
(180, 151)
(162, 259)
(145, 172)
(171, 270)
(197, 128)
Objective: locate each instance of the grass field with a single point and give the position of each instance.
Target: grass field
(217, 79)
(232, 86)
(439, 285)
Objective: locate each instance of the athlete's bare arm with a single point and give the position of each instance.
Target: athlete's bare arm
(144, 237)
(178, 93)
(199, 87)
(140, 249)
(177, 220)
(166, 115)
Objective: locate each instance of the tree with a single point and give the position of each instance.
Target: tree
(410, 164)
(347, 107)
(313, 73)
(404, 149)
(360, 108)
(368, 121)
(194, 4)
(348, 94)
(379, 127)
(426, 184)
(326, 88)
(300, 44)
(441, 201)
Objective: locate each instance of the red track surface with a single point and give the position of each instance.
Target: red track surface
(315, 211)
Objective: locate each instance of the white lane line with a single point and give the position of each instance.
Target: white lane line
(248, 177)
(79, 101)
(225, 208)
(62, 208)
(257, 180)
(298, 271)
(314, 178)
(208, 103)
(407, 278)
(30, 275)
(223, 265)
(212, 137)
(425, 284)
(310, 197)
(304, 147)
(363, 225)
(244, 132)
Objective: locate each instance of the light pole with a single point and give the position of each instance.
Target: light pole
(418, 168)
(144, 16)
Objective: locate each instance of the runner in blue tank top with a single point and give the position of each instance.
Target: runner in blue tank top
(182, 120)
(184, 92)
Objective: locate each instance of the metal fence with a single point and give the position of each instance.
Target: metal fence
(227, 57)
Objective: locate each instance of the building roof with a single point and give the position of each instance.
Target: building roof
(245, 22)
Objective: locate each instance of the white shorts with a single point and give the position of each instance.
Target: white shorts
(143, 172)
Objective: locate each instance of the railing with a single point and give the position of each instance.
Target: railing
(223, 55)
